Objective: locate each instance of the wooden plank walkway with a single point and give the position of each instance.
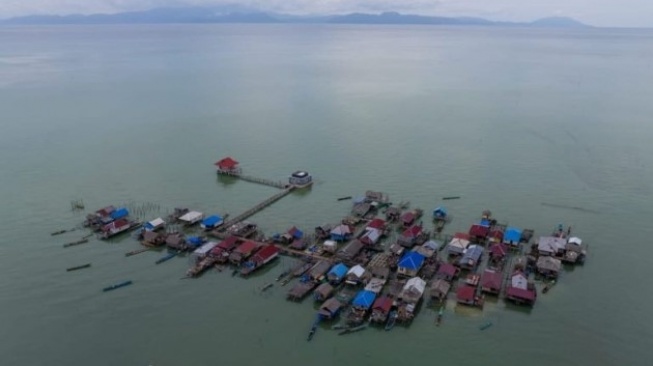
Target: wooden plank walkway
(257, 180)
(257, 208)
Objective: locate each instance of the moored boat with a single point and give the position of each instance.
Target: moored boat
(118, 285)
(392, 319)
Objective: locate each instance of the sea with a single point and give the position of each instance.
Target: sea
(541, 126)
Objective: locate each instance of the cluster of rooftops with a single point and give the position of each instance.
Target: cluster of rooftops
(377, 263)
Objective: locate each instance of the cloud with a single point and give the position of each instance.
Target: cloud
(599, 12)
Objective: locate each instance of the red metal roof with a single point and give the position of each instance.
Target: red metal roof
(265, 253)
(412, 231)
(217, 251)
(120, 223)
(246, 247)
(478, 230)
(105, 211)
(408, 217)
(227, 163)
(521, 293)
(496, 234)
(498, 250)
(447, 269)
(377, 224)
(229, 243)
(383, 303)
(461, 236)
(466, 293)
(491, 279)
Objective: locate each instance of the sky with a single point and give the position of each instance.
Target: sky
(608, 13)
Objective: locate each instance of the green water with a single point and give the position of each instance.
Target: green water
(506, 118)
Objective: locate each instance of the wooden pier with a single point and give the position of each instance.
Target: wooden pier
(257, 180)
(257, 208)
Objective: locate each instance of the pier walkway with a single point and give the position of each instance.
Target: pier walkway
(257, 208)
(263, 181)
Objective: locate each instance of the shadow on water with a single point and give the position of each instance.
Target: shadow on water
(491, 299)
(519, 308)
(265, 269)
(226, 180)
(301, 192)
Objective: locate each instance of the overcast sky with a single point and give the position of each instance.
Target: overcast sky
(619, 13)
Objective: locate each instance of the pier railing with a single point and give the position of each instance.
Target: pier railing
(257, 208)
(263, 181)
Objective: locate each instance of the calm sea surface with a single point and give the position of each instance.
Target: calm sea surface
(506, 118)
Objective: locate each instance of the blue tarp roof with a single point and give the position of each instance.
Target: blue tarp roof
(440, 212)
(512, 234)
(195, 240)
(298, 234)
(485, 222)
(119, 213)
(411, 260)
(364, 299)
(212, 220)
(339, 270)
(359, 199)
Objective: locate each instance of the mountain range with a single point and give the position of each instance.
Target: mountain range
(236, 14)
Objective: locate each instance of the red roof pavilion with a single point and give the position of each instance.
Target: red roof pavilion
(227, 163)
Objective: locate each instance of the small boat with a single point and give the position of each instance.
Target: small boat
(73, 243)
(344, 198)
(485, 326)
(267, 286)
(313, 329)
(353, 329)
(167, 257)
(118, 285)
(548, 286)
(439, 318)
(283, 274)
(339, 327)
(392, 318)
(58, 232)
(78, 267)
(451, 198)
(137, 251)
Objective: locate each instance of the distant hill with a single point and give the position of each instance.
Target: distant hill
(560, 22)
(158, 15)
(396, 18)
(240, 14)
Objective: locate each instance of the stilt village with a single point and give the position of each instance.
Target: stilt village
(375, 267)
